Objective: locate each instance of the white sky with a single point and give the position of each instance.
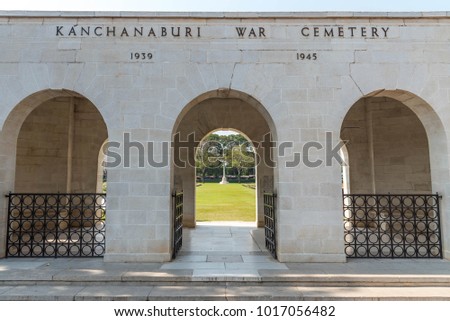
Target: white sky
(227, 5)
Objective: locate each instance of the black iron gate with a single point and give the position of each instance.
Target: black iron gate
(177, 222)
(270, 223)
(393, 226)
(56, 225)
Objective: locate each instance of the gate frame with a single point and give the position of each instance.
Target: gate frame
(378, 222)
(57, 207)
(270, 223)
(177, 206)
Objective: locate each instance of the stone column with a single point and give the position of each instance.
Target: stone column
(70, 140)
(188, 183)
(264, 184)
(371, 158)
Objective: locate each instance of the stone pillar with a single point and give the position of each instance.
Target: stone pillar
(139, 218)
(371, 158)
(188, 183)
(70, 138)
(309, 215)
(264, 184)
(7, 174)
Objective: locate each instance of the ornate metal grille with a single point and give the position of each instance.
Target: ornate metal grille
(56, 225)
(394, 226)
(269, 223)
(177, 222)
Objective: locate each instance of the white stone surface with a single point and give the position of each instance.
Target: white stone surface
(299, 99)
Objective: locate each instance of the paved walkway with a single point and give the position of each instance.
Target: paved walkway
(223, 250)
(222, 262)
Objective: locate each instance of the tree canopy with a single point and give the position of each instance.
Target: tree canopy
(235, 150)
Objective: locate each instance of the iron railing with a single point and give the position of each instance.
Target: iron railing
(177, 222)
(270, 223)
(56, 225)
(392, 226)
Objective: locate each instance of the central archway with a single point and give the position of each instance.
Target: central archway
(222, 109)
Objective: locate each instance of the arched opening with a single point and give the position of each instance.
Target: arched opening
(388, 147)
(225, 178)
(389, 207)
(53, 139)
(222, 109)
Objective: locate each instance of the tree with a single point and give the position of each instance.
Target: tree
(235, 150)
(207, 156)
(242, 157)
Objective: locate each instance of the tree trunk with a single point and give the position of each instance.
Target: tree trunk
(203, 175)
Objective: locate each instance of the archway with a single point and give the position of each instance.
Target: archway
(222, 109)
(388, 148)
(52, 139)
(392, 144)
(225, 178)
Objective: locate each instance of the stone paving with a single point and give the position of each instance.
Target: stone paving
(220, 262)
(223, 250)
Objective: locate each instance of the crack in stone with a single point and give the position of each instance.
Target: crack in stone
(351, 77)
(232, 75)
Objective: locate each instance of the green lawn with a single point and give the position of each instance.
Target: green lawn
(229, 202)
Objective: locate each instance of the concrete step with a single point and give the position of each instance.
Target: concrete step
(89, 277)
(208, 276)
(218, 292)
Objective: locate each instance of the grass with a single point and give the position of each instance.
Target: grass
(229, 202)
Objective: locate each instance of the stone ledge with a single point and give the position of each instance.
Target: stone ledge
(199, 293)
(136, 257)
(297, 277)
(88, 275)
(41, 293)
(311, 258)
(266, 293)
(223, 15)
(223, 292)
(21, 275)
(158, 276)
(114, 293)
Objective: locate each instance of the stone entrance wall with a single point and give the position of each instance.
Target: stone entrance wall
(144, 71)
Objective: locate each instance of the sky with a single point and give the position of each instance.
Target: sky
(226, 5)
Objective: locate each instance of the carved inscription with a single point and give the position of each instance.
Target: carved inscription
(127, 32)
(344, 32)
(245, 32)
